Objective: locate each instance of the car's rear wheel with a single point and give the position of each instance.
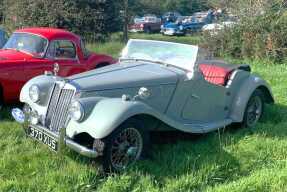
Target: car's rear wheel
(100, 65)
(1, 98)
(254, 109)
(148, 30)
(124, 146)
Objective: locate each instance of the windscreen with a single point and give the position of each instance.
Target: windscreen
(180, 55)
(27, 42)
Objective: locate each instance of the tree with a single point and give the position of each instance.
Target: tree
(185, 7)
(261, 31)
(86, 17)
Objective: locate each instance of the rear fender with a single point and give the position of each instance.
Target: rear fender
(240, 101)
(95, 59)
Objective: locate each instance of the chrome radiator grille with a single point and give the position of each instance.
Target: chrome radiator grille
(57, 113)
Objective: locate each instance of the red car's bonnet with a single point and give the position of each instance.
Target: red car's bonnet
(13, 55)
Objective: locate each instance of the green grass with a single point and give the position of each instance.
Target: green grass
(114, 45)
(233, 160)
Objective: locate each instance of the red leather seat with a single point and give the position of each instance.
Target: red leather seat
(215, 74)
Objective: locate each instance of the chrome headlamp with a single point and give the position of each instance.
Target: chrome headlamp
(34, 93)
(76, 110)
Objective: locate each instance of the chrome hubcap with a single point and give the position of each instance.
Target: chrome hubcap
(126, 148)
(254, 110)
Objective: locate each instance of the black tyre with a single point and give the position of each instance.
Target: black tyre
(101, 65)
(148, 30)
(254, 109)
(1, 97)
(127, 144)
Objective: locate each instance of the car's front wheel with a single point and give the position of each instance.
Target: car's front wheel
(254, 109)
(124, 146)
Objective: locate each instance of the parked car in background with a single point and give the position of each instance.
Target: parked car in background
(170, 17)
(159, 86)
(174, 28)
(3, 37)
(146, 24)
(215, 28)
(32, 51)
(138, 19)
(187, 24)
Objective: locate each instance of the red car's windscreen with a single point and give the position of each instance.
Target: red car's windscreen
(27, 42)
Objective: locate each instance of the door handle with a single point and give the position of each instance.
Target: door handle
(195, 96)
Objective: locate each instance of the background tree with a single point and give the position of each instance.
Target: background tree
(85, 17)
(261, 31)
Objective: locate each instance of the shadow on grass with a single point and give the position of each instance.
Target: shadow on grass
(176, 154)
(5, 111)
(205, 156)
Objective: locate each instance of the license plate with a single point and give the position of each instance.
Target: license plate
(43, 138)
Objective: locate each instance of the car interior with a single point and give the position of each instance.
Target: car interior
(218, 73)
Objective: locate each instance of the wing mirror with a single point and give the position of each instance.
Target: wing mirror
(56, 69)
(143, 93)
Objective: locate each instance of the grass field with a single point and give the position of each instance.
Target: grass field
(231, 160)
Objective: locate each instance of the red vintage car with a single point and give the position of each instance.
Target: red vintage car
(32, 51)
(147, 24)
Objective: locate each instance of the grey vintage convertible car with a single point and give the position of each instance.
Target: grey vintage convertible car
(156, 86)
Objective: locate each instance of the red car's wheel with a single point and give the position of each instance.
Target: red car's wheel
(1, 97)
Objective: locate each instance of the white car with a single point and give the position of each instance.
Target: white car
(214, 28)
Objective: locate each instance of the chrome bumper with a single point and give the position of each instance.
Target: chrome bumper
(66, 142)
(136, 30)
(63, 141)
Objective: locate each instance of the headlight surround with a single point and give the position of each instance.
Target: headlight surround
(34, 93)
(76, 111)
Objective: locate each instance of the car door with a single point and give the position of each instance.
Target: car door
(64, 53)
(37, 66)
(198, 101)
(206, 102)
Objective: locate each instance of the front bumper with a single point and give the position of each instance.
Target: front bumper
(136, 30)
(172, 32)
(61, 138)
(66, 142)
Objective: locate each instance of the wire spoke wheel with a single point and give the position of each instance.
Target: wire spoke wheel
(254, 110)
(126, 148)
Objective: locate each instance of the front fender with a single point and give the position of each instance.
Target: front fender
(45, 83)
(106, 116)
(241, 99)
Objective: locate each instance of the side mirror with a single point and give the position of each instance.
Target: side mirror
(50, 58)
(144, 93)
(56, 69)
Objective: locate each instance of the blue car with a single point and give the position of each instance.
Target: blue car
(3, 37)
(170, 17)
(183, 25)
(172, 29)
